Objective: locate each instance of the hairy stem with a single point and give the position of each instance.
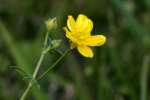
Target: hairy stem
(54, 64)
(33, 76)
(44, 51)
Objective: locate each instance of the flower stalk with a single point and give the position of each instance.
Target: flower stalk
(33, 76)
(47, 47)
(53, 65)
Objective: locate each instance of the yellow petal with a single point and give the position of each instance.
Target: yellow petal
(70, 23)
(68, 33)
(83, 24)
(96, 40)
(89, 27)
(85, 51)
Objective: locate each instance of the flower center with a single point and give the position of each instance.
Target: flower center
(78, 38)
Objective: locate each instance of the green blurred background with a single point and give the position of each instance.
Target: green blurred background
(118, 71)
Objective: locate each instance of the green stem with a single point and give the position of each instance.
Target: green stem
(33, 76)
(54, 64)
(26, 92)
(46, 39)
(17, 54)
(37, 67)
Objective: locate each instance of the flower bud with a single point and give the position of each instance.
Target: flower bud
(51, 23)
(55, 43)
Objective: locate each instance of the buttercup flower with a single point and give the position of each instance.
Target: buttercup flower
(79, 34)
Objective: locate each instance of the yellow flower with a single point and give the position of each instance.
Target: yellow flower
(79, 34)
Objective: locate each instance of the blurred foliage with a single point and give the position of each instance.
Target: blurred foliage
(118, 71)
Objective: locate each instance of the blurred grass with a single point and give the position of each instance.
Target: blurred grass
(119, 70)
